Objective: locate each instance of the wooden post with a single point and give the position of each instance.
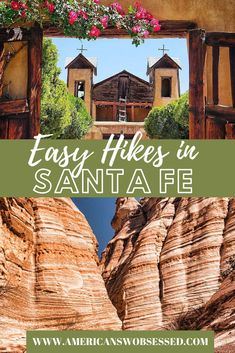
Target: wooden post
(114, 112)
(230, 131)
(1, 66)
(232, 72)
(215, 129)
(197, 51)
(216, 53)
(35, 73)
(132, 113)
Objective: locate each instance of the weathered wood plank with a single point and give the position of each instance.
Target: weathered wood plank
(3, 129)
(114, 112)
(221, 39)
(35, 74)
(11, 107)
(215, 129)
(197, 51)
(230, 131)
(1, 66)
(137, 90)
(14, 34)
(168, 27)
(130, 104)
(18, 128)
(132, 113)
(215, 74)
(232, 72)
(225, 113)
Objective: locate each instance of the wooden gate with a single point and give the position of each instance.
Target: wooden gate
(209, 119)
(20, 111)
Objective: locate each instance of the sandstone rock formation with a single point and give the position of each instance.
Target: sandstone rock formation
(166, 260)
(170, 265)
(49, 275)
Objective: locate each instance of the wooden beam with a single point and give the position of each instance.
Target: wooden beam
(232, 73)
(197, 51)
(225, 113)
(215, 129)
(7, 34)
(221, 39)
(168, 28)
(12, 107)
(216, 55)
(230, 131)
(118, 104)
(1, 66)
(35, 73)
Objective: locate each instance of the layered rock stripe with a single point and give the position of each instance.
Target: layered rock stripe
(49, 275)
(166, 261)
(168, 266)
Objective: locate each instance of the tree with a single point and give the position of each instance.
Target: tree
(169, 122)
(61, 113)
(81, 120)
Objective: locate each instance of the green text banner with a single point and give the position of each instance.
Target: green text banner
(44, 167)
(125, 342)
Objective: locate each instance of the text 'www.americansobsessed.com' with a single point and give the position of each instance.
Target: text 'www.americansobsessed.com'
(119, 341)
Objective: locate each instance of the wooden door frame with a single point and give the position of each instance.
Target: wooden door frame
(34, 35)
(200, 111)
(169, 28)
(28, 108)
(197, 55)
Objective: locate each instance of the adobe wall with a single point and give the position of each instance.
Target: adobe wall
(212, 15)
(225, 90)
(16, 72)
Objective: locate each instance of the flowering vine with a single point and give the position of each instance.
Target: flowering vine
(85, 19)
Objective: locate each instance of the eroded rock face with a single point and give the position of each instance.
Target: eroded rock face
(166, 260)
(168, 266)
(49, 275)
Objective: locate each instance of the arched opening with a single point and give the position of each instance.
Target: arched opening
(166, 87)
(79, 89)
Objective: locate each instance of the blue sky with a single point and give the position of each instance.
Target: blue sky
(99, 213)
(115, 55)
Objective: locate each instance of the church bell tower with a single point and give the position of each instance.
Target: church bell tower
(80, 78)
(164, 76)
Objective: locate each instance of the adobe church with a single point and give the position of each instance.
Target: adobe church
(120, 103)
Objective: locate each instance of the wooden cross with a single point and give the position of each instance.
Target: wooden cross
(82, 49)
(163, 50)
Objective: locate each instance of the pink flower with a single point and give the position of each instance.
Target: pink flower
(104, 21)
(95, 32)
(50, 6)
(97, 1)
(24, 6)
(23, 14)
(118, 7)
(139, 15)
(149, 16)
(83, 14)
(72, 17)
(137, 5)
(154, 21)
(136, 29)
(156, 28)
(146, 33)
(15, 5)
